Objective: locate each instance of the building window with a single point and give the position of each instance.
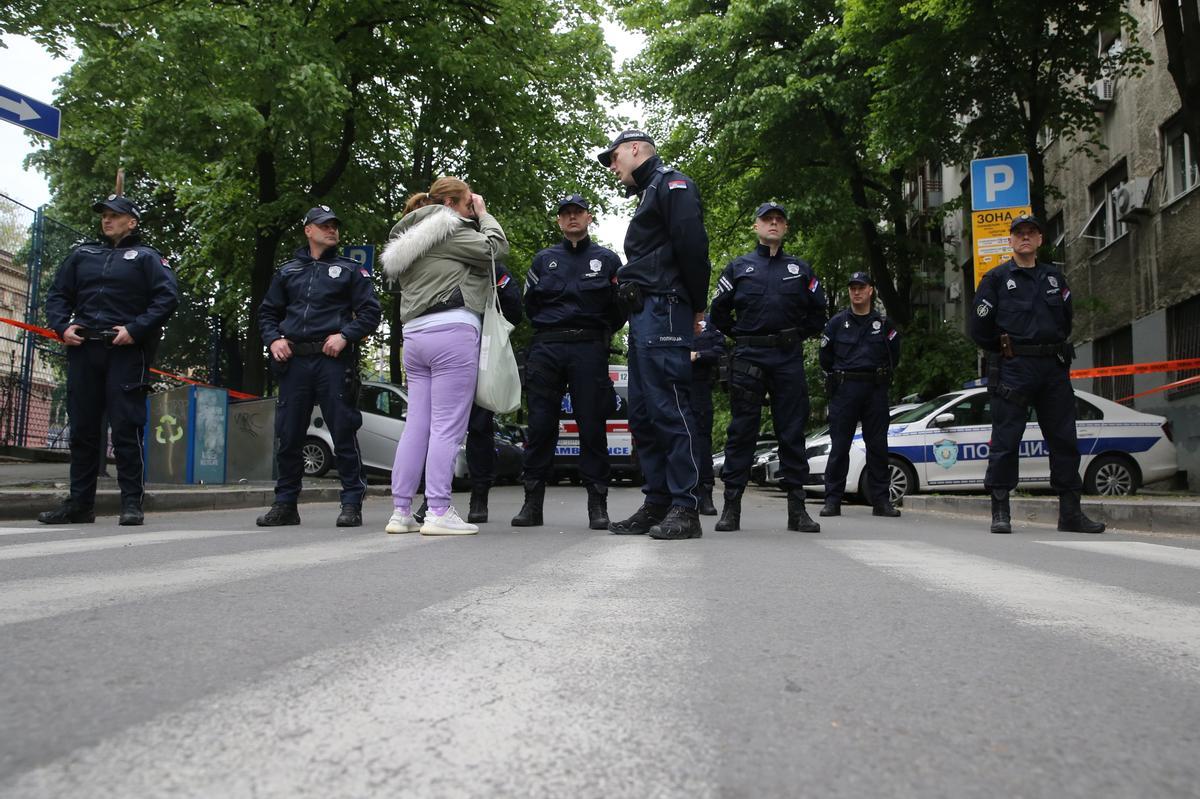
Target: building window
(1055, 239)
(1183, 341)
(1115, 349)
(1179, 161)
(1103, 225)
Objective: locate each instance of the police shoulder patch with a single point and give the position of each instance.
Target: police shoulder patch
(983, 309)
(677, 184)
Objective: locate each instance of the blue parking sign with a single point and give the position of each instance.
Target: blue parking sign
(1001, 182)
(363, 253)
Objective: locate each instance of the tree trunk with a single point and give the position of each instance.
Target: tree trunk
(266, 246)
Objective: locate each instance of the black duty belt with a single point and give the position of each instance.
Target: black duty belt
(877, 376)
(784, 338)
(105, 335)
(307, 347)
(1038, 350)
(555, 335)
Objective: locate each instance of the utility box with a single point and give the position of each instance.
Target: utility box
(185, 435)
(250, 444)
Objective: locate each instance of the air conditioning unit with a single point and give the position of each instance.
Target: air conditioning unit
(1132, 199)
(1102, 93)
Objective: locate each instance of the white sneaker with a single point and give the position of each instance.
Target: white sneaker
(402, 523)
(449, 523)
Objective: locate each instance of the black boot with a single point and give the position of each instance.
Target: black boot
(831, 508)
(798, 519)
(1001, 514)
(597, 507)
(641, 521)
(885, 508)
(706, 506)
(530, 514)
(679, 523)
(419, 515)
(68, 513)
(731, 514)
(479, 511)
(350, 516)
(131, 513)
(280, 514)
(1071, 518)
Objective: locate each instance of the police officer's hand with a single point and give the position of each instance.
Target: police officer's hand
(334, 344)
(478, 207)
(695, 356)
(71, 336)
(697, 327)
(123, 338)
(281, 350)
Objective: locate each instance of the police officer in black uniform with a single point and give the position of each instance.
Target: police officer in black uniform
(571, 301)
(1022, 321)
(707, 350)
(859, 353)
(768, 302)
(318, 307)
(109, 302)
(664, 287)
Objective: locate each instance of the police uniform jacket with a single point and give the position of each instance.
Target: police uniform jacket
(1032, 305)
(573, 286)
(666, 244)
(100, 286)
(853, 343)
(758, 295)
(311, 298)
(439, 259)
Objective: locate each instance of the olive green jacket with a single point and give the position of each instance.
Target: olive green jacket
(433, 251)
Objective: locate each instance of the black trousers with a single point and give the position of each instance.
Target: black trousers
(1043, 383)
(332, 383)
(105, 380)
(481, 447)
(778, 372)
(855, 403)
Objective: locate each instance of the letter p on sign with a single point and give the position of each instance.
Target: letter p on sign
(1001, 182)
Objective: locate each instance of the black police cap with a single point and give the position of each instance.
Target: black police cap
(767, 208)
(860, 277)
(1026, 219)
(118, 203)
(605, 156)
(319, 215)
(573, 199)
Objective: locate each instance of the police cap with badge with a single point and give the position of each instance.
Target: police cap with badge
(1025, 219)
(118, 203)
(573, 199)
(860, 278)
(605, 156)
(319, 215)
(767, 208)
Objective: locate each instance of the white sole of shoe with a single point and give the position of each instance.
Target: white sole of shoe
(396, 529)
(433, 529)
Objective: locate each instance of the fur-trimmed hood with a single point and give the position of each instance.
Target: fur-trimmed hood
(415, 235)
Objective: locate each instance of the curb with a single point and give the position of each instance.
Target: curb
(18, 503)
(1157, 515)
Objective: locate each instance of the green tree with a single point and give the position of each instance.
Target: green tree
(232, 118)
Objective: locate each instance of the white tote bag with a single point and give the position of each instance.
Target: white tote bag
(498, 387)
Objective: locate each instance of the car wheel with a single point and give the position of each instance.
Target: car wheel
(902, 481)
(1111, 476)
(317, 457)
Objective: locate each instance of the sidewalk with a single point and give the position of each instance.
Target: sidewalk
(28, 488)
(1163, 513)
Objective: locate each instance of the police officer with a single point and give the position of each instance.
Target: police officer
(319, 305)
(664, 287)
(768, 302)
(859, 353)
(1022, 321)
(571, 301)
(109, 302)
(707, 350)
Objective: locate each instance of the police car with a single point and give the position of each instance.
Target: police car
(384, 407)
(621, 455)
(942, 445)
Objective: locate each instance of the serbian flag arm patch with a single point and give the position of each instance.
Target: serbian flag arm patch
(503, 281)
(676, 184)
(892, 334)
(814, 284)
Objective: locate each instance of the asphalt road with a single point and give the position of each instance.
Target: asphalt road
(919, 657)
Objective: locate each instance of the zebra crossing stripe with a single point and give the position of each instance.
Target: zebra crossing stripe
(1137, 550)
(1137, 624)
(41, 549)
(492, 692)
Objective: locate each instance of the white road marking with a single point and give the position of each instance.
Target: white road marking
(45, 528)
(27, 600)
(1138, 624)
(1138, 550)
(71, 546)
(572, 679)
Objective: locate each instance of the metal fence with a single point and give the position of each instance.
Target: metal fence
(33, 397)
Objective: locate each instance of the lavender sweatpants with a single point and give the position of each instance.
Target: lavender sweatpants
(442, 363)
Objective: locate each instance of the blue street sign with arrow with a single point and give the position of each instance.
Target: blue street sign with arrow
(29, 113)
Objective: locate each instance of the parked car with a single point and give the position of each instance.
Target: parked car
(622, 456)
(384, 407)
(943, 445)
